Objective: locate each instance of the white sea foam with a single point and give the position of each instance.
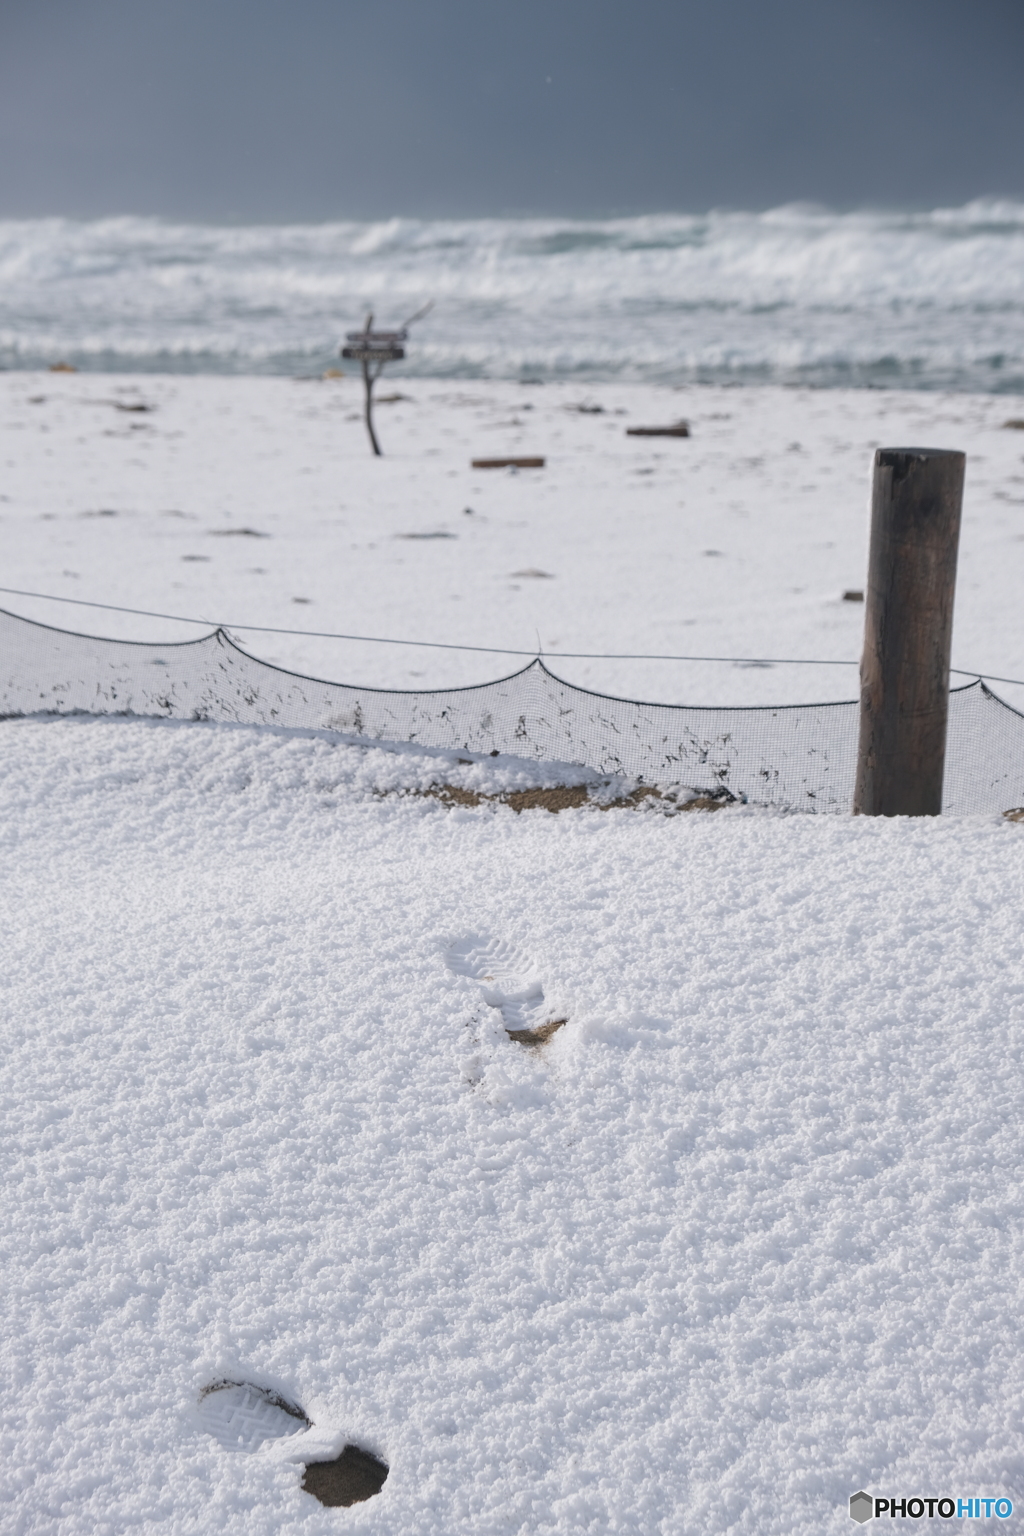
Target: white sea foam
(797, 294)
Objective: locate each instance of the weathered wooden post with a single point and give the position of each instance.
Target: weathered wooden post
(908, 629)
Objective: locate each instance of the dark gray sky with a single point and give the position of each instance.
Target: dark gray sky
(317, 109)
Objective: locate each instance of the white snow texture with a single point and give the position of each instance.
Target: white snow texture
(743, 1237)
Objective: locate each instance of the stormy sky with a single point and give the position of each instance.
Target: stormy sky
(270, 110)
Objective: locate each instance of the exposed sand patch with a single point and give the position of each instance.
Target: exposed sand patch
(565, 797)
(350, 1478)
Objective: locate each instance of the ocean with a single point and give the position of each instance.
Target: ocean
(796, 296)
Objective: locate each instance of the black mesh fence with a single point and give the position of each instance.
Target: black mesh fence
(800, 757)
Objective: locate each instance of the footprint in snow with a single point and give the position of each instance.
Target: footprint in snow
(242, 1417)
(507, 982)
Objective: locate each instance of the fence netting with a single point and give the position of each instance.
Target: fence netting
(800, 757)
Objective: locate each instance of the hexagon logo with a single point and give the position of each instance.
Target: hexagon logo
(862, 1506)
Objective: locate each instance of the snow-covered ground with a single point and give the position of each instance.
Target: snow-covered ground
(738, 541)
(745, 1235)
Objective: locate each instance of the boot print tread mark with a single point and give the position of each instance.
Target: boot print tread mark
(508, 982)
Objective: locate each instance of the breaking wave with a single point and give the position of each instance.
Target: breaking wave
(797, 295)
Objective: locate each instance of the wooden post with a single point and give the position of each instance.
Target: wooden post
(908, 630)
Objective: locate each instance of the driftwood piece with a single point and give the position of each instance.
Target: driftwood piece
(530, 463)
(679, 429)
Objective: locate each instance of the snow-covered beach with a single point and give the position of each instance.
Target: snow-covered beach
(256, 501)
(744, 1235)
